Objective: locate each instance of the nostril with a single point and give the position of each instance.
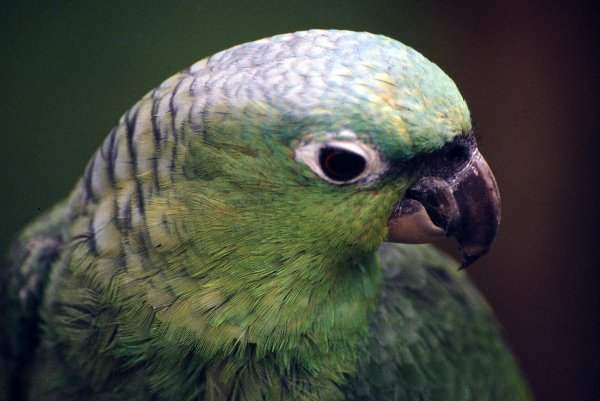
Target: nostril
(452, 157)
(457, 155)
(447, 161)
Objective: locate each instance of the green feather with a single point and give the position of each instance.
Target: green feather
(198, 259)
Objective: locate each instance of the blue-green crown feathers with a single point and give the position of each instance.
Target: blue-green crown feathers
(317, 82)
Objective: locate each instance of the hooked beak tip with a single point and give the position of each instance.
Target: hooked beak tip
(468, 259)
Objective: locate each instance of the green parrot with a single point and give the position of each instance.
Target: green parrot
(255, 228)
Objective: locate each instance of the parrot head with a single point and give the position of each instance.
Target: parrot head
(330, 143)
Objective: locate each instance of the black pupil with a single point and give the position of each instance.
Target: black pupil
(341, 164)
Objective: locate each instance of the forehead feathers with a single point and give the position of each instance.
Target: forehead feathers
(320, 82)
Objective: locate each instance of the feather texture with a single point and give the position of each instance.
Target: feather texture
(196, 259)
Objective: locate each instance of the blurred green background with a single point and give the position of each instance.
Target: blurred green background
(69, 69)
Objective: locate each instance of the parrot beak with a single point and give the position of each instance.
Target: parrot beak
(461, 201)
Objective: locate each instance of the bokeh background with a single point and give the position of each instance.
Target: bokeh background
(528, 72)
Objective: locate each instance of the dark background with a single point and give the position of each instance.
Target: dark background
(528, 72)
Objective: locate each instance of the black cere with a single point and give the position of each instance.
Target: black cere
(340, 164)
(448, 160)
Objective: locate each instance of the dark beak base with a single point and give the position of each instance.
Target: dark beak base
(464, 204)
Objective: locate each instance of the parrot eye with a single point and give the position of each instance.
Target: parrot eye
(342, 162)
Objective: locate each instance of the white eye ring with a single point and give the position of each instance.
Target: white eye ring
(310, 154)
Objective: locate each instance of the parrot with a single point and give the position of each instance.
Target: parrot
(260, 227)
